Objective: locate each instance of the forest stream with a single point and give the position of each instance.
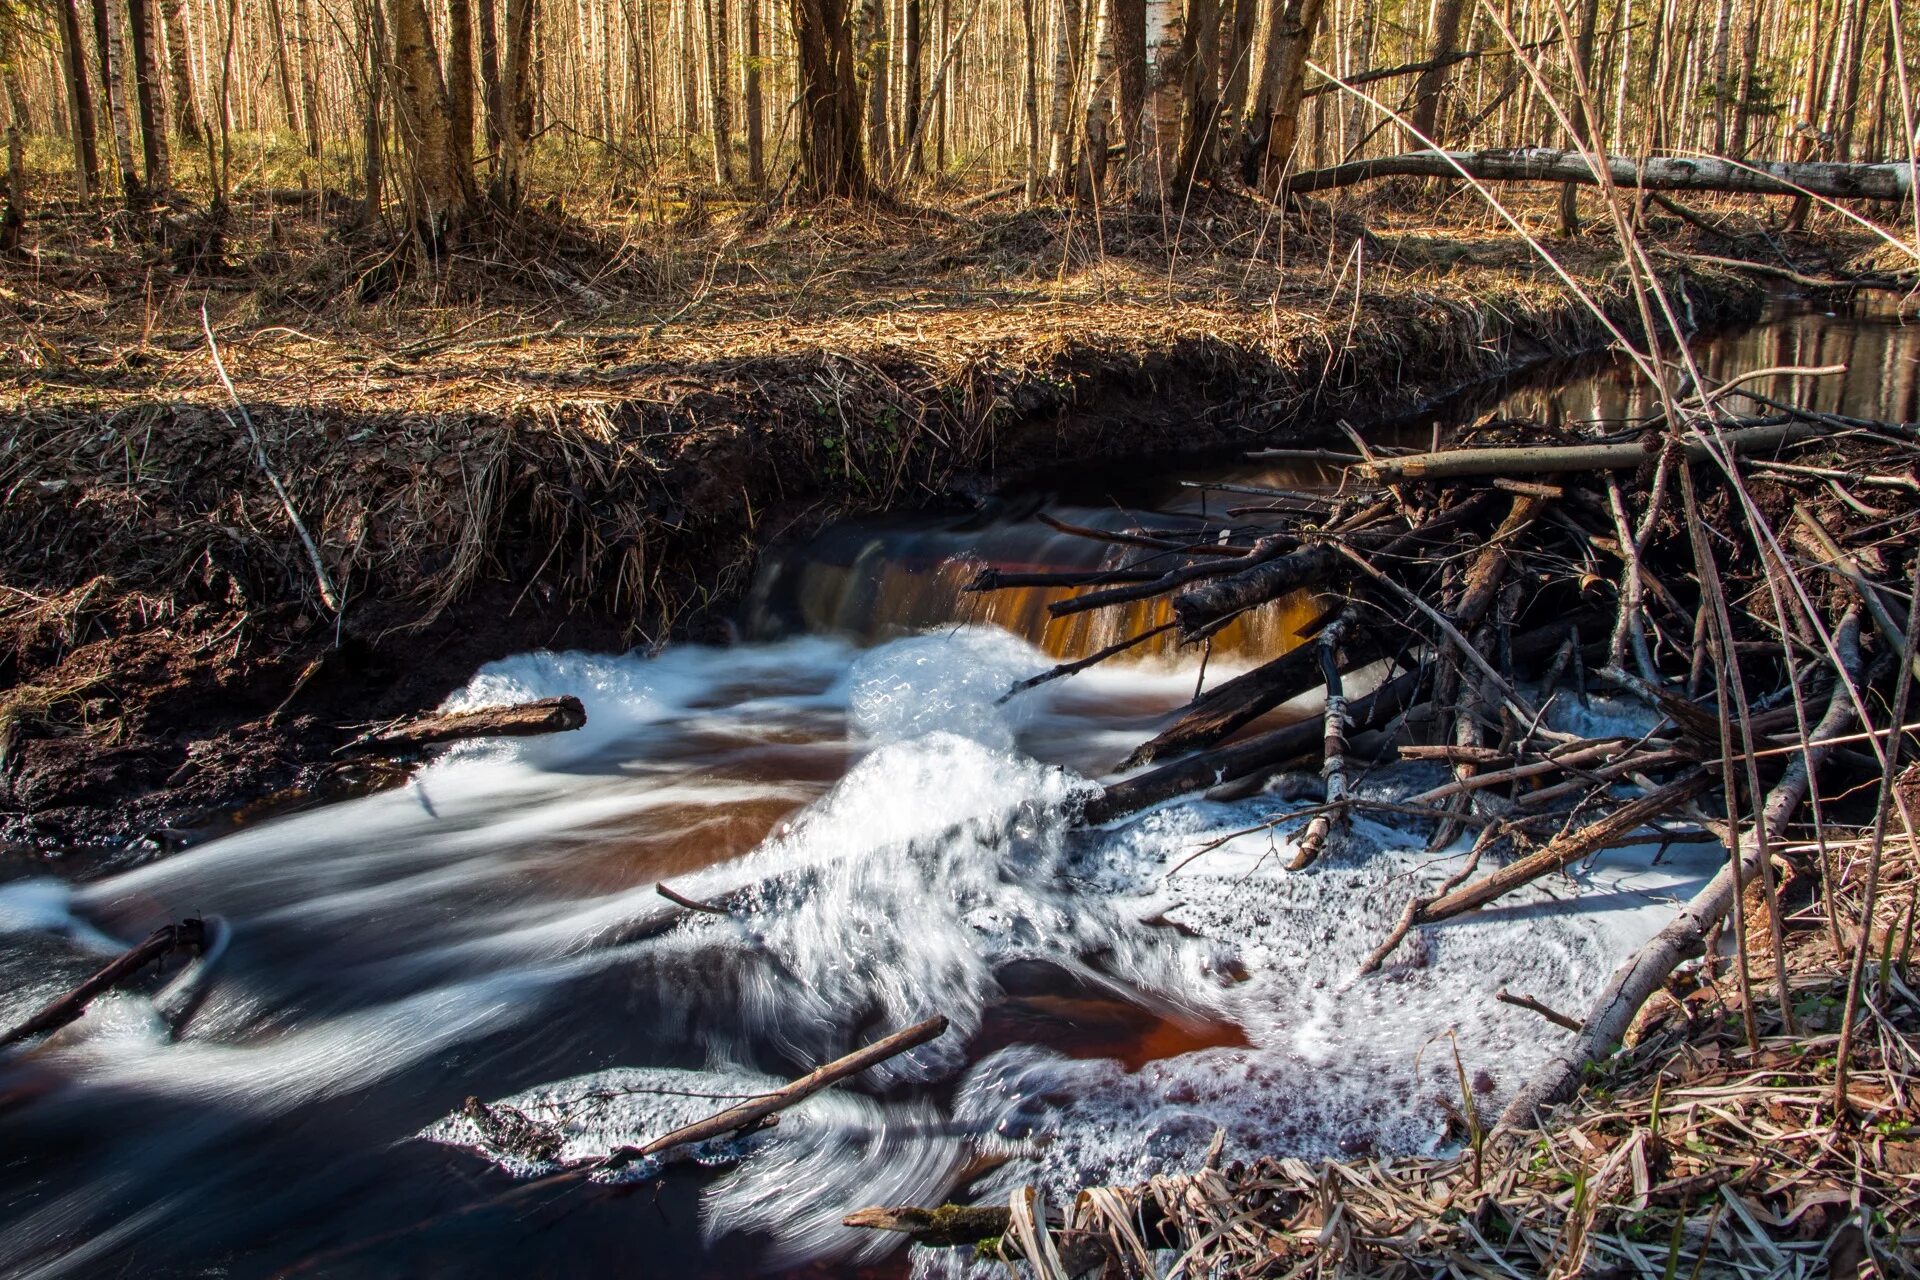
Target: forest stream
(896, 843)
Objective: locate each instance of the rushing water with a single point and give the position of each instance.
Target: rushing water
(896, 844)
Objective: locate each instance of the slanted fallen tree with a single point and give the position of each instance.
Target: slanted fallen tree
(1652, 173)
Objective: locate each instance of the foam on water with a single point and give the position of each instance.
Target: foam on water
(924, 848)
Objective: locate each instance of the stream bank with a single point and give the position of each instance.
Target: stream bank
(168, 658)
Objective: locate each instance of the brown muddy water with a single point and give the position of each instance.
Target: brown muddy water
(903, 844)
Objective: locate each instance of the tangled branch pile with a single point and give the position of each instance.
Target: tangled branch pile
(1751, 578)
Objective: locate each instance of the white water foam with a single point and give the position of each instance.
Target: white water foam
(371, 937)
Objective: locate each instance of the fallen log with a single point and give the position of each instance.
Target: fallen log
(1240, 701)
(1223, 597)
(1547, 459)
(942, 1226)
(1606, 1023)
(1201, 606)
(1241, 758)
(548, 715)
(1265, 550)
(1565, 850)
(1653, 173)
(753, 1112)
(188, 935)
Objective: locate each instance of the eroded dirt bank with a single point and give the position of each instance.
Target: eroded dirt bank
(164, 648)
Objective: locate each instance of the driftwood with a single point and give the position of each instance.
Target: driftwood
(548, 715)
(1635, 981)
(941, 1226)
(188, 935)
(1245, 698)
(1656, 173)
(755, 1111)
(1263, 551)
(1223, 597)
(1548, 459)
(1527, 1002)
(1565, 850)
(1263, 751)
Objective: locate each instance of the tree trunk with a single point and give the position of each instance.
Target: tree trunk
(1156, 162)
(1200, 67)
(1274, 122)
(113, 60)
(277, 24)
(720, 58)
(1092, 172)
(1544, 164)
(73, 61)
(1130, 66)
(516, 105)
(310, 81)
(153, 106)
(832, 160)
(1066, 56)
(186, 108)
(14, 221)
(1719, 56)
(910, 91)
(1583, 118)
(1237, 65)
(459, 78)
(1427, 90)
(441, 191)
(756, 125)
(490, 75)
(372, 123)
(1030, 102)
(1742, 113)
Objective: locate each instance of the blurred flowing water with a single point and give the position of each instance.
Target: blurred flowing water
(896, 844)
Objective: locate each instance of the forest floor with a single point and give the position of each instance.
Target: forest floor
(584, 435)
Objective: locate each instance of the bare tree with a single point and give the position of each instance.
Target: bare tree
(1427, 90)
(459, 76)
(441, 191)
(720, 73)
(1200, 91)
(833, 163)
(113, 61)
(151, 95)
(516, 105)
(73, 64)
(1156, 155)
(756, 109)
(186, 107)
(1273, 122)
(1066, 56)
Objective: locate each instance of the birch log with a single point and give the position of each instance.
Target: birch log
(1654, 173)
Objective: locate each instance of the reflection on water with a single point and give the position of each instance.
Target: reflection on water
(893, 844)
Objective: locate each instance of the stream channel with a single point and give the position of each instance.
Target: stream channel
(492, 929)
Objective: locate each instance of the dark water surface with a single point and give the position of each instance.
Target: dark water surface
(492, 930)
